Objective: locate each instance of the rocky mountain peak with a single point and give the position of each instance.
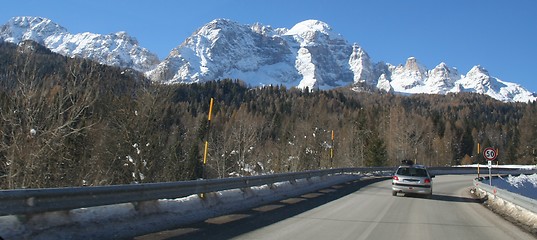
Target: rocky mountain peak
(479, 78)
(442, 78)
(262, 29)
(412, 65)
(478, 71)
(360, 64)
(35, 24)
(218, 25)
(442, 70)
(313, 31)
(117, 49)
(18, 29)
(409, 76)
(310, 26)
(125, 36)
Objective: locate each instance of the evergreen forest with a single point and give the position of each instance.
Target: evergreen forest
(73, 122)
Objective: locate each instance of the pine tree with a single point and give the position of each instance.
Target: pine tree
(375, 155)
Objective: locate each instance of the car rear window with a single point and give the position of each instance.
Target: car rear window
(414, 172)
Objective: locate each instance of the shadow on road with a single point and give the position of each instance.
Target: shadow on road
(446, 198)
(239, 223)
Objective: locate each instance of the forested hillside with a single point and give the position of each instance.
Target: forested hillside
(72, 122)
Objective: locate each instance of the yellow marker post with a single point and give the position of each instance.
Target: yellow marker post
(205, 152)
(210, 109)
(207, 136)
(206, 149)
(332, 135)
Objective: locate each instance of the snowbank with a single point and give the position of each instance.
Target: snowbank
(128, 220)
(522, 167)
(512, 206)
(525, 185)
(523, 180)
(515, 214)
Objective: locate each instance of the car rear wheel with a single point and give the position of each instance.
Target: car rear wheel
(394, 193)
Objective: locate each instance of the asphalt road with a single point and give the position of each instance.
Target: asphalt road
(362, 211)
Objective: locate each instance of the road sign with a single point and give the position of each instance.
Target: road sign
(490, 154)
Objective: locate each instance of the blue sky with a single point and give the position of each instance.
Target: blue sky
(499, 35)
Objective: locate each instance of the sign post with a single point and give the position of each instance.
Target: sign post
(490, 155)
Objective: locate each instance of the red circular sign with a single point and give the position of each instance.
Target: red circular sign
(490, 154)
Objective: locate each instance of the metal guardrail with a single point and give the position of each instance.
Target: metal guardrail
(516, 199)
(483, 170)
(32, 201)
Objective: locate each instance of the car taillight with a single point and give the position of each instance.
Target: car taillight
(427, 180)
(395, 178)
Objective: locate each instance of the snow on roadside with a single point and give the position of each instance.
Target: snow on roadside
(525, 185)
(522, 180)
(522, 167)
(128, 220)
(513, 213)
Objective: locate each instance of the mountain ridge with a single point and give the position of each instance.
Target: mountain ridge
(310, 54)
(116, 49)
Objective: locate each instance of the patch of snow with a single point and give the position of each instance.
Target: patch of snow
(522, 167)
(516, 214)
(524, 185)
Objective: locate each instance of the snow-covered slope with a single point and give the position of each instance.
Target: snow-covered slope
(414, 78)
(117, 49)
(478, 80)
(310, 54)
(225, 49)
(307, 55)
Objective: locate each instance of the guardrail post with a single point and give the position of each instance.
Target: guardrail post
(308, 178)
(247, 192)
(271, 186)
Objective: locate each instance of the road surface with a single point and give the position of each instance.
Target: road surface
(359, 211)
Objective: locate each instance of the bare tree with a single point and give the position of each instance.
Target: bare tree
(245, 129)
(39, 121)
(221, 151)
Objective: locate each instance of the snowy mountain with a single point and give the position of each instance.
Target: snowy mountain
(117, 49)
(413, 78)
(225, 49)
(310, 54)
(307, 55)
